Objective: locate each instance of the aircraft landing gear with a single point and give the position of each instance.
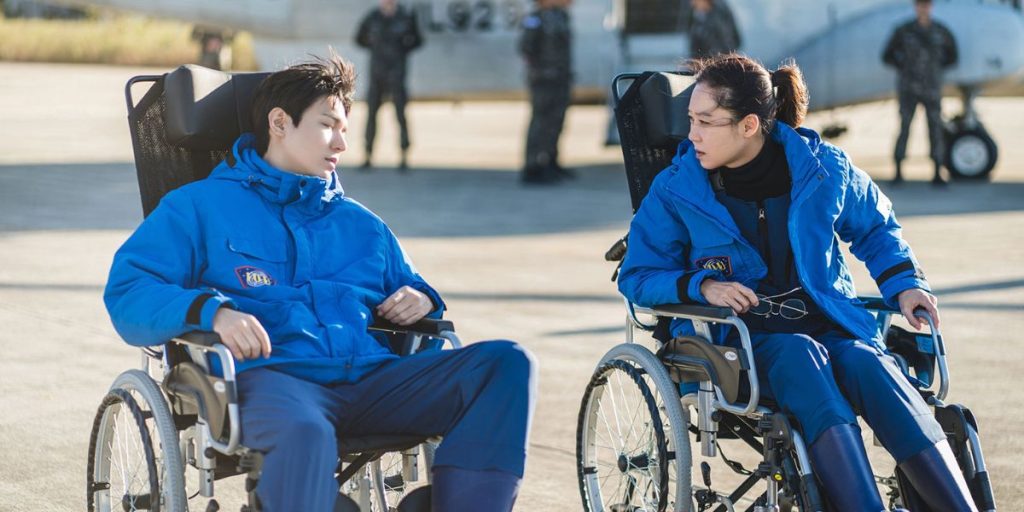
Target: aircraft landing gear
(971, 153)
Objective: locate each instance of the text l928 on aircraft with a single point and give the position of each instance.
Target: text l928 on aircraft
(469, 15)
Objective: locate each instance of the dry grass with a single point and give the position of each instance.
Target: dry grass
(122, 40)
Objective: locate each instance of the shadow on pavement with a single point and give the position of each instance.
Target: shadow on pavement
(918, 198)
(424, 202)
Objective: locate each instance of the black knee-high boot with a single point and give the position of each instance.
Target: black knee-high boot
(841, 465)
(936, 476)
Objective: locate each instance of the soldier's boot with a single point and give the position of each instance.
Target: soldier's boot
(937, 178)
(538, 175)
(563, 172)
(896, 180)
(403, 163)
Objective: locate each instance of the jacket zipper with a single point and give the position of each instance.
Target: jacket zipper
(762, 232)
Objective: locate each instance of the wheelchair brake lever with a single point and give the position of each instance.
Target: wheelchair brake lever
(618, 250)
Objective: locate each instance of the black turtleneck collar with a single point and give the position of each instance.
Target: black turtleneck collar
(767, 175)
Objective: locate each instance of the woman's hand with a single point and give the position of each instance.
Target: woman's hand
(917, 298)
(728, 294)
(406, 306)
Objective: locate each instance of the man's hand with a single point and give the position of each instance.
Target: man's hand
(917, 298)
(728, 294)
(242, 333)
(405, 307)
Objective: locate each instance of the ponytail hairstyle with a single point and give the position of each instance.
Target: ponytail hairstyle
(743, 86)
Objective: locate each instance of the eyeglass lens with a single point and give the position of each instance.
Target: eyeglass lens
(790, 309)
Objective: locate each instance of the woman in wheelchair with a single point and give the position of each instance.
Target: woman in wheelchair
(749, 216)
(269, 253)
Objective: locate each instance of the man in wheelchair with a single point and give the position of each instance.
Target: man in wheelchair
(270, 254)
(749, 216)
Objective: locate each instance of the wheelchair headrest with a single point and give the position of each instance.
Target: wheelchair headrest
(208, 109)
(666, 99)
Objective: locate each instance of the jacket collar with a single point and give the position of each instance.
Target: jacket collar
(801, 145)
(247, 167)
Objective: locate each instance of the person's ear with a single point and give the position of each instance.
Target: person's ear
(750, 125)
(278, 121)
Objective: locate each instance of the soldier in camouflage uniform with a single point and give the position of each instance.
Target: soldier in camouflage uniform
(712, 29)
(920, 50)
(546, 46)
(390, 32)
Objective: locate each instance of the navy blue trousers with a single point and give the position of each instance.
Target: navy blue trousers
(830, 379)
(479, 398)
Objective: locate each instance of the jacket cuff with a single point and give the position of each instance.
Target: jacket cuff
(209, 310)
(899, 278)
(688, 286)
(892, 292)
(898, 270)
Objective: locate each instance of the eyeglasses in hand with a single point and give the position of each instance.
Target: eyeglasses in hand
(790, 309)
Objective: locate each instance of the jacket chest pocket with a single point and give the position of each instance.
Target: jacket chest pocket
(714, 253)
(256, 262)
(713, 249)
(710, 239)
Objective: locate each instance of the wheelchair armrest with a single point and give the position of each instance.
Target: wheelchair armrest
(208, 341)
(722, 315)
(425, 326)
(877, 304)
(693, 310)
(429, 327)
(201, 338)
(939, 347)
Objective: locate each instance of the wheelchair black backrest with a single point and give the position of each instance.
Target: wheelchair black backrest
(185, 125)
(652, 120)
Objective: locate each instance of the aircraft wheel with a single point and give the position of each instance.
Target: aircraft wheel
(970, 154)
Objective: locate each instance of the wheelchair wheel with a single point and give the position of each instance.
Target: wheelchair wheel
(389, 485)
(392, 478)
(631, 446)
(134, 460)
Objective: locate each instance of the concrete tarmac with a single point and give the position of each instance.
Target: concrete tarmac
(512, 262)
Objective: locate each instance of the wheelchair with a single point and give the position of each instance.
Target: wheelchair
(636, 419)
(166, 432)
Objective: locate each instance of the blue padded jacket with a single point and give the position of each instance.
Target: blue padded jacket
(292, 250)
(681, 235)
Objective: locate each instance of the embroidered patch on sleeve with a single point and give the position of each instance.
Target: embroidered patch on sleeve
(252, 277)
(720, 263)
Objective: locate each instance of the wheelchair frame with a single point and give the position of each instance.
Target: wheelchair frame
(197, 446)
(192, 417)
(785, 465)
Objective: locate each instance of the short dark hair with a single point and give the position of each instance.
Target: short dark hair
(743, 86)
(297, 87)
